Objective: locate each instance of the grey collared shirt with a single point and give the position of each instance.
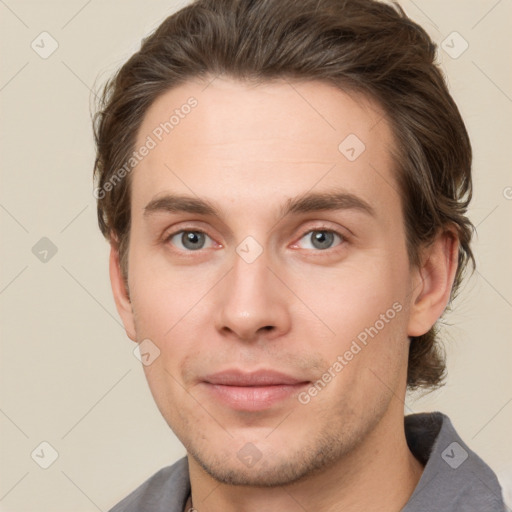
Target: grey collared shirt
(455, 479)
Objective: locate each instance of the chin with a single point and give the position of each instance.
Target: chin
(250, 467)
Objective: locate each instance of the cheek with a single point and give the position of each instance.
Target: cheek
(365, 309)
(353, 296)
(163, 297)
(366, 368)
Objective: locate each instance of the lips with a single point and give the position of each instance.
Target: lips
(259, 378)
(252, 391)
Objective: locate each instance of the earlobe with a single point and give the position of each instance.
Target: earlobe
(121, 298)
(435, 280)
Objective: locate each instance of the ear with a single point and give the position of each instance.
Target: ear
(121, 298)
(433, 283)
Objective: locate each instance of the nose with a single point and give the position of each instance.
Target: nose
(253, 301)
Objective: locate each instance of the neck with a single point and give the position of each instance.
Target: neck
(379, 474)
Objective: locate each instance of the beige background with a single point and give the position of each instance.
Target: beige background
(68, 374)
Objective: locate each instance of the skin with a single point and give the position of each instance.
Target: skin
(294, 309)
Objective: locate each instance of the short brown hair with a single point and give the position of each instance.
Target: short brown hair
(359, 45)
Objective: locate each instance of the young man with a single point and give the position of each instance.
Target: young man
(284, 186)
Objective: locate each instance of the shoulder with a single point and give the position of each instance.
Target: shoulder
(167, 490)
(454, 477)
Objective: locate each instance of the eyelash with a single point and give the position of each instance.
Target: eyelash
(324, 229)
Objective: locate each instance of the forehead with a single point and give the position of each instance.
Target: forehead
(227, 138)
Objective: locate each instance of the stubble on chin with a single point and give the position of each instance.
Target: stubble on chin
(288, 465)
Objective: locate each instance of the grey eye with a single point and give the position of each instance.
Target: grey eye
(190, 240)
(321, 238)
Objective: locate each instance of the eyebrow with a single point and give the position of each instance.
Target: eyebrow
(306, 203)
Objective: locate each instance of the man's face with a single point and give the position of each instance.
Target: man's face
(251, 290)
